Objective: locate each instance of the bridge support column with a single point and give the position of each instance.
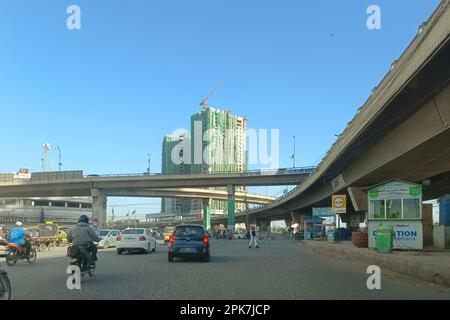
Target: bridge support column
(99, 202)
(207, 213)
(288, 221)
(231, 207)
(359, 202)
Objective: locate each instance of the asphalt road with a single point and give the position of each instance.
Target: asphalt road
(278, 270)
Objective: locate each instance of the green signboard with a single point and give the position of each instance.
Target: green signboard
(415, 191)
(395, 189)
(323, 212)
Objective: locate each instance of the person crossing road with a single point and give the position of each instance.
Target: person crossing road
(253, 238)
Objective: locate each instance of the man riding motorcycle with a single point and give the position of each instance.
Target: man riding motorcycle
(18, 236)
(83, 237)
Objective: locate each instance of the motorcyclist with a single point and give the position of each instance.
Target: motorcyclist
(83, 237)
(18, 236)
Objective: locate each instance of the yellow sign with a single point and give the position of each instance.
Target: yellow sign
(339, 203)
(48, 222)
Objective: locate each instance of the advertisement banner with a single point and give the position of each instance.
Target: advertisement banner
(407, 234)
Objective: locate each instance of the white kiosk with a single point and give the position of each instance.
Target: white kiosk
(398, 204)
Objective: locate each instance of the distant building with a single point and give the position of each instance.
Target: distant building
(38, 210)
(32, 210)
(176, 206)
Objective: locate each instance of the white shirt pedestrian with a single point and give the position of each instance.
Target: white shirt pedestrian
(253, 238)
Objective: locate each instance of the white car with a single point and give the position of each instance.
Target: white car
(135, 239)
(108, 238)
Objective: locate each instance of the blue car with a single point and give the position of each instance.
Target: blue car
(189, 240)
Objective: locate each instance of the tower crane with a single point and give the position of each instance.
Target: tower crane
(203, 103)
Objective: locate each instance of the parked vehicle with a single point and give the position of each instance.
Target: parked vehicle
(77, 258)
(238, 235)
(15, 253)
(136, 239)
(189, 240)
(45, 236)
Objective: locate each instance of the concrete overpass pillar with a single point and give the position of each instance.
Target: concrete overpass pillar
(444, 210)
(207, 213)
(359, 199)
(99, 202)
(360, 204)
(231, 207)
(288, 221)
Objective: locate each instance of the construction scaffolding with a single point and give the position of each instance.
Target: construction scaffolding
(224, 149)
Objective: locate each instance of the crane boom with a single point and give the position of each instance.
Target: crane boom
(203, 103)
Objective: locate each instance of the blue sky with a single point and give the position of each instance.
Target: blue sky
(137, 69)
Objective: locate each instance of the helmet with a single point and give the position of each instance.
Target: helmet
(83, 218)
(19, 224)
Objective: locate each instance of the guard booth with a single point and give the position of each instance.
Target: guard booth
(397, 204)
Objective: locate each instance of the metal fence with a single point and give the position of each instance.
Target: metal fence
(56, 175)
(285, 171)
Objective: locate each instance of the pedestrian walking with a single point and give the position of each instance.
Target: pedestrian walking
(253, 238)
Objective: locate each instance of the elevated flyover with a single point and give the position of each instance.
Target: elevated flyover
(74, 183)
(402, 131)
(191, 193)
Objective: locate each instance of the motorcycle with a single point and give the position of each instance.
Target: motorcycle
(15, 253)
(5, 284)
(77, 258)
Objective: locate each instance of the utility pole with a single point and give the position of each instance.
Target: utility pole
(148, 169)
(113, 217)
(59, 157)
(135, 223)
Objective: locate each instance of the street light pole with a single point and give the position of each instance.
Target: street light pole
(59, 157)
(148, 169)
(293, 156)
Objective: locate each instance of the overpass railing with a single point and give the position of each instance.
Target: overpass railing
(287, 171)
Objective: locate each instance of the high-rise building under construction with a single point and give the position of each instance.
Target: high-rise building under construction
(218, 144)
(172, 153)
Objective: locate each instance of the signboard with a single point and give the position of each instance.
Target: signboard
(338, 183)
(339, 203)
(323, 212)
(407, 234)
(395, 190)
(327, 213)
